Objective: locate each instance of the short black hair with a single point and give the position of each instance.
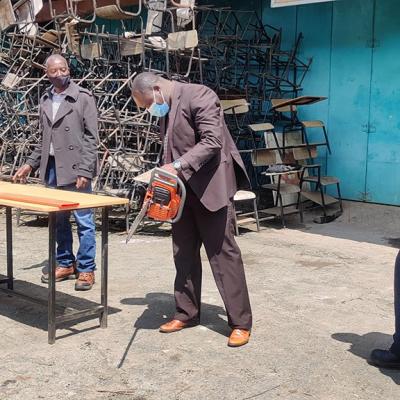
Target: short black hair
(144, 81)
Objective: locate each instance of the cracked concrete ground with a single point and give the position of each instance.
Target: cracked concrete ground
(321, 297)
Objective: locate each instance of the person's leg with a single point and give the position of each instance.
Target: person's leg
(64, 255)
(186, 249)
(396, 337)
(391, 358)
(87, 240)
(86, 254)
(217, 234)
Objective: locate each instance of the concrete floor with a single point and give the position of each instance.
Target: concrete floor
(321, 297)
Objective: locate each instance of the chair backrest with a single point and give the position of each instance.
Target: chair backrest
(131, 47)
(182, 40)
(264, 157)
(303, 153)
(235, 106)
(7, 14)
(90, 51)
(10, 80)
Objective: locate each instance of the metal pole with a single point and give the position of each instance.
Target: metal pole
(104, 267)
(9, 248)
(52, 280)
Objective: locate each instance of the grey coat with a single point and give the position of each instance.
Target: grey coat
(74, 134)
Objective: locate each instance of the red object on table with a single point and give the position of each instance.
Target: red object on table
(37, 200)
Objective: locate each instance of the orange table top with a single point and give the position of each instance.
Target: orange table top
(39, 198)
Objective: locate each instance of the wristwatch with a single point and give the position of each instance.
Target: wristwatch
(177, 165)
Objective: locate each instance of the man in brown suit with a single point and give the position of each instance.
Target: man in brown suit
(199, 148)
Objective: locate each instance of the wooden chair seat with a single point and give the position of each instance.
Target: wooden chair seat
(241, 195)
(312, 124)
(247, 217)
(261, 127)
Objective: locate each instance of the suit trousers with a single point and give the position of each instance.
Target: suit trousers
(215, 230)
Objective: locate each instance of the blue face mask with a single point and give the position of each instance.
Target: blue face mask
(158, 110)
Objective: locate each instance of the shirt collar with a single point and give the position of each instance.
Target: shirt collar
(53, 92)
(71, 91)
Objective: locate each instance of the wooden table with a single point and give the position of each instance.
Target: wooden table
(51, 201)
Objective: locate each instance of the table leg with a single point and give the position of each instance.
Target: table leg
(10, 274)
(52, 280)
(104, 267)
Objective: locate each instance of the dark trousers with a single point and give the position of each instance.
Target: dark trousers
(396, 337)
(215, 230)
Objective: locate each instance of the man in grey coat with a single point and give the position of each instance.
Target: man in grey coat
(199, 147)
(67, 159)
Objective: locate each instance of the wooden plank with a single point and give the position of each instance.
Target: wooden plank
(21, 198)
(84, 200)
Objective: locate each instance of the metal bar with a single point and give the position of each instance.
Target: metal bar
(104, 267)
(79, 314)
(52, 280)
(10, 274)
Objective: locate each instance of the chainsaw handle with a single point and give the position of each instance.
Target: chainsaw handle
(182, 203)
(163, 172)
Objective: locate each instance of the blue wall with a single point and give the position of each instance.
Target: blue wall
(355, 45)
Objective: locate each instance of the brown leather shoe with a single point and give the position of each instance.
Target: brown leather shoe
(85, 281)
(239, 337)
(62, 274)
(175, 325)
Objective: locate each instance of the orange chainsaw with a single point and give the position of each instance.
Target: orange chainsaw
(163, 201)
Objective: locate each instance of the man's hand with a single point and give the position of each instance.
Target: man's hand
(22, 174)
(170, 168)
(82, 182)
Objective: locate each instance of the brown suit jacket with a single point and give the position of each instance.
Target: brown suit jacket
(198, 135)
(74, 134)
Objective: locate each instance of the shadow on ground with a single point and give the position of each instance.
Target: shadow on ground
(160, 305)
(362, 345)
(33, 312)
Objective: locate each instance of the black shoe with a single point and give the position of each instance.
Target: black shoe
(385, 359)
